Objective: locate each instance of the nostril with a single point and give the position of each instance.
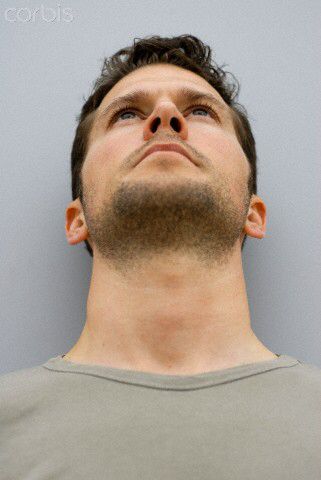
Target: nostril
(155, 124)
(175, 124)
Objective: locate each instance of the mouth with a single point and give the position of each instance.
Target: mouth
(169, 147)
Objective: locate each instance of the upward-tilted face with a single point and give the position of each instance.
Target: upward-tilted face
(139, 203)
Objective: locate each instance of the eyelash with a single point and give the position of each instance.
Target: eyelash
(205, 106)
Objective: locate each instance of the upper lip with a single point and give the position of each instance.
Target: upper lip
(174, 147)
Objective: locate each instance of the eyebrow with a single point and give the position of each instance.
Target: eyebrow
(189, 95)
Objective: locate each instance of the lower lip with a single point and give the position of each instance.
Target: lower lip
(167, 152)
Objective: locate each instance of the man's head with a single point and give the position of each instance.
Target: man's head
(174, 95)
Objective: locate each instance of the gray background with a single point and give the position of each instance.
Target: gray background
(48, 70)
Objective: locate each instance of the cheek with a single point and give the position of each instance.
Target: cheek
(110, 147)
(102, 168)
(226, 156)
(103, 157)
(99, 168)
(220, 146)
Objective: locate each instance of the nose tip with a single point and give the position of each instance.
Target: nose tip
(166, 117)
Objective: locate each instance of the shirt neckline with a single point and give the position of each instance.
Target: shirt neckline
(170, 382)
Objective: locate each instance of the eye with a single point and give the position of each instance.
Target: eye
(127, 109)
(198, 109)
(125, 112)
(205, 108)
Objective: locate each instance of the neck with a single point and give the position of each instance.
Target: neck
(170, 315)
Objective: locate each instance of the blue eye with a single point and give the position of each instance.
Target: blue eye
(126, 112)
(121, 112)
(200, 109)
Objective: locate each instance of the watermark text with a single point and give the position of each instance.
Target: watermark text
(32, 15)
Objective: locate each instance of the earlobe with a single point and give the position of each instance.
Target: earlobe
(253, 230)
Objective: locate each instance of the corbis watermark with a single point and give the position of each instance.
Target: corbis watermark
(42, 13)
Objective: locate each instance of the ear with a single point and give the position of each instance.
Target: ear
(75, 225)
(255, 225)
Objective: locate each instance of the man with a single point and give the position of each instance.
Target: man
(168, 379)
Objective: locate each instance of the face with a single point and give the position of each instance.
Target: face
(133, 207)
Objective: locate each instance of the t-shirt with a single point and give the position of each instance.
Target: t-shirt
(64, 420)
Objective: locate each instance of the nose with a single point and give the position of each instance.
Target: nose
(165, 117)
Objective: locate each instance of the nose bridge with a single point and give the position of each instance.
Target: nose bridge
(166, 116)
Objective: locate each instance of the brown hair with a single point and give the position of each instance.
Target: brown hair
(185, 51)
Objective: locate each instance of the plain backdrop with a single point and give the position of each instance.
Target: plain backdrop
(50, 59)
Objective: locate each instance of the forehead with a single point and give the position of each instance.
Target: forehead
(159, 79)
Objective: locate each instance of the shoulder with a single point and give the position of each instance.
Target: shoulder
(23, 388)
(18, 378)
(306, 377)
(309, 369)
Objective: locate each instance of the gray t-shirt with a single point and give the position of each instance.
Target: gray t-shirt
(63, 420)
